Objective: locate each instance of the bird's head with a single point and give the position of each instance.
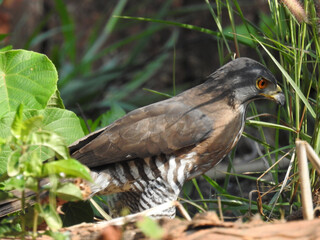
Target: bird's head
(245, 80)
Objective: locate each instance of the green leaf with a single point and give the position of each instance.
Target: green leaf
(30, 125)
(50, 215)
(32, 183)
(70, 167)
(69, 192)
(113, 114)
(9, 227)
(14, 183)
(5, 125)
(50, 140)
(56, 101)
(60, 121)
(150, 228)
(95, 124)
(3, 141)
(33, 165)
(16, 126)
(4, 156)
(21, 129)
(84, 126)
(13, 163)
(6, 48)
(25, 77)
(63, 122)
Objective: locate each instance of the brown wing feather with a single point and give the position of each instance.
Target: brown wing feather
(163, 127)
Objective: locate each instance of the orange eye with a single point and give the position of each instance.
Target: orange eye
(262, 83)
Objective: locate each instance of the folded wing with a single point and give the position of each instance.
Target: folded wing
(163, 127)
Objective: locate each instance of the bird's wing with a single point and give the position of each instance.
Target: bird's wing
(163, 127)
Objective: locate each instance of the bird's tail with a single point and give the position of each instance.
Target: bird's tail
(14, 204)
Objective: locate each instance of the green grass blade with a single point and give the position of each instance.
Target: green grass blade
(214, 184)
(228, 36)
(182, 25)
(289, 79)
(195, 183)
(109, 27)
(159, 93)
(218, 23)
(67, 22)
(270, 125)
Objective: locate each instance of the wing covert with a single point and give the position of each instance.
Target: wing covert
(163, 127)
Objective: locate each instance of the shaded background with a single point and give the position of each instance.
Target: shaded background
(66, 31)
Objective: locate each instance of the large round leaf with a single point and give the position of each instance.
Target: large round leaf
(61, 121)
(25, 77)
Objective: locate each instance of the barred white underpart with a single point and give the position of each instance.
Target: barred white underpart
(137, 185)
(151, 198)
(115, 182)
(133, 170)
(162, 189)
(144, 202)
(143, 182)
(161, 193)
(121, 173)
(172, 168)
(185, 164)
(146, 168)
(190, 155)
(160, 166)
(101, 181)
(162, 185)
(157, 193)
(181, 171)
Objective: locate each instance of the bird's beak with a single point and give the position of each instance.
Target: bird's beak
(276, 95)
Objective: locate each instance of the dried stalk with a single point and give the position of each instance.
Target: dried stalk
(306, 195)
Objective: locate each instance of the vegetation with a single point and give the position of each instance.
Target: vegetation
(36, 127)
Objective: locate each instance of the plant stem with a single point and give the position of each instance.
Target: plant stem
(36, 214)
(23, 216)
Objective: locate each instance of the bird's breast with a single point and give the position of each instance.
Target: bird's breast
(226, 132)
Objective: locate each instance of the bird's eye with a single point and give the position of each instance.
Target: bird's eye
(262, 83)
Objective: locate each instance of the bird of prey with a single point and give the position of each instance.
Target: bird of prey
(145, 157)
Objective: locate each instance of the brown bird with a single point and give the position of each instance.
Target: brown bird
(145, 157)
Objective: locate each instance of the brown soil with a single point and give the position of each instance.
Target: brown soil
(202, 226)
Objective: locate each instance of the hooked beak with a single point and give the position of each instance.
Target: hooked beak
(276, 96)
